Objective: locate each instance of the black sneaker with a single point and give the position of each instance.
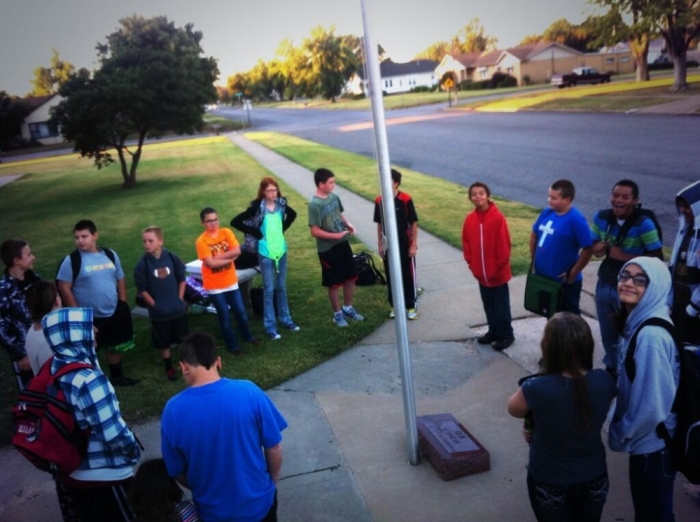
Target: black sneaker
(486, 339)
(124, 381)
(502, 344)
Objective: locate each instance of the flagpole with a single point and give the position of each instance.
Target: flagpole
(374, 86)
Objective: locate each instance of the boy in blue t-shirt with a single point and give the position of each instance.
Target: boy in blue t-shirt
(560, 243)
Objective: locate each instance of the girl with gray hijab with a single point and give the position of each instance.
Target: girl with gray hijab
(645, 400)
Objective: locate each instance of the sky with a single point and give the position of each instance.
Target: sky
(239, 32)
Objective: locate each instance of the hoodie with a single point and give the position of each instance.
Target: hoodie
(644, 403)
(685, 268)
(486, 246)
(112, 449)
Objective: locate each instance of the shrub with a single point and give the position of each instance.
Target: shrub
(475, 86)
(360, 96)
(527, 80)
(421, 88)
(500, 79)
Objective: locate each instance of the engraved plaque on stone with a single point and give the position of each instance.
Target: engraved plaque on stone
(451, 437)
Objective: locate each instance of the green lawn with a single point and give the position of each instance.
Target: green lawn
(431, 195)
(175, 181)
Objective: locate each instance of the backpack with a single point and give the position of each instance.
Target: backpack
(45, 431)
(684, 446)
(638, 215)
(76, 260)
(365, 270)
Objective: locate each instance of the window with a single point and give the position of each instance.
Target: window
(43, 129)
(483, 73)
(610, 60)
(509, 70)
(624, 59)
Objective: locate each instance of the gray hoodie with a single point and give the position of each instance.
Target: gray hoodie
(644, 403)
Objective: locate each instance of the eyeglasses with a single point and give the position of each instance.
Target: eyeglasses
(639, 280)
(209, 221)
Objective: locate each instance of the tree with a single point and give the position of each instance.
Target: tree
(331, 62)
(436, 51)
(48, 80)
(151, 80)
(223, 94)
(13, 110)
(566, 33)
(473, 38)
(680, 25)
(678, 21)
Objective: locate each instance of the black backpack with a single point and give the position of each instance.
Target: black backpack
(638, 215)
(685, 444)
(76, 261)
(365, 270)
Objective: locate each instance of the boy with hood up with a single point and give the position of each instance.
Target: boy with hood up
(97, 489)
(644, 284)
(685, 266)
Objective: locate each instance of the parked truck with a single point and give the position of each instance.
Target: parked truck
(578, 76)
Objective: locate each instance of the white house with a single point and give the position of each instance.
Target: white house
(36, 125)
(397, 77)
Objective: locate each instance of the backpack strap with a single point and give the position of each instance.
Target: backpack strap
(630, 366)
(76, 260)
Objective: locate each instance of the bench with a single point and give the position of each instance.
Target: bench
(245, 278)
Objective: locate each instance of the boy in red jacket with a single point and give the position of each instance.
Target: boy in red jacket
(486, 245)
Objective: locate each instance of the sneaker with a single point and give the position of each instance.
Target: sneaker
(253, 341)
(340, 320)
(486, 339)
(171, 374)
(392, 314)
(124, 381)
(274, 336)
(502, 344)
(351, 313)
(291, 327)
(412, 314)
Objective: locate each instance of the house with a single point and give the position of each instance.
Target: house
(397, 77)
(36, 125)
(530, 63)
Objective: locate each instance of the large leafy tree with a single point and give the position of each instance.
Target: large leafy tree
(680, 25)
(331, 62)
(678, 21)
(48, 80)
(151, 80)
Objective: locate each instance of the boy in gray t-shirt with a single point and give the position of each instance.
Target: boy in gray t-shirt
(331, 231)
(99, 284)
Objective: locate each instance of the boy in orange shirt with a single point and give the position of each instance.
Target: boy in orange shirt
(218, 248)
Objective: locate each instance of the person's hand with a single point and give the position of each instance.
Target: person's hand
(350, 228)
(600, 248)
(412, 250)
(615, 252)
(527, 434)
(24, 365)
(380, 249)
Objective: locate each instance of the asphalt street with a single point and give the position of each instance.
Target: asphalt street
(519, 154)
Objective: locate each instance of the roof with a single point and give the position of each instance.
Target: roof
(468, 59)
(34, 102)
(389, 69)
(489, 58)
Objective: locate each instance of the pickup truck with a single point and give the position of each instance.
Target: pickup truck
(580, 75)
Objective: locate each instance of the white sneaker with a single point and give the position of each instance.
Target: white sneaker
(351, 313)
(340, 320)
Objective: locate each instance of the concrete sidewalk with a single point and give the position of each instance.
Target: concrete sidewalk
(345, 457)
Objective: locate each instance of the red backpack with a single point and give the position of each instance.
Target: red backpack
(45, 431)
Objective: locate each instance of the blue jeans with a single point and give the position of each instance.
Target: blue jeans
(496, 301)
(572, 297)
(274, 289)
(607, 304)
(577, 503)
(225, 303)
(651, 480)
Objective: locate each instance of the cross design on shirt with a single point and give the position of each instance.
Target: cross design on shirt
(546, 230)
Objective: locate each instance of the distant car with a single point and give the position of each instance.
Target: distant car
(578, 76)
(210, 107)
